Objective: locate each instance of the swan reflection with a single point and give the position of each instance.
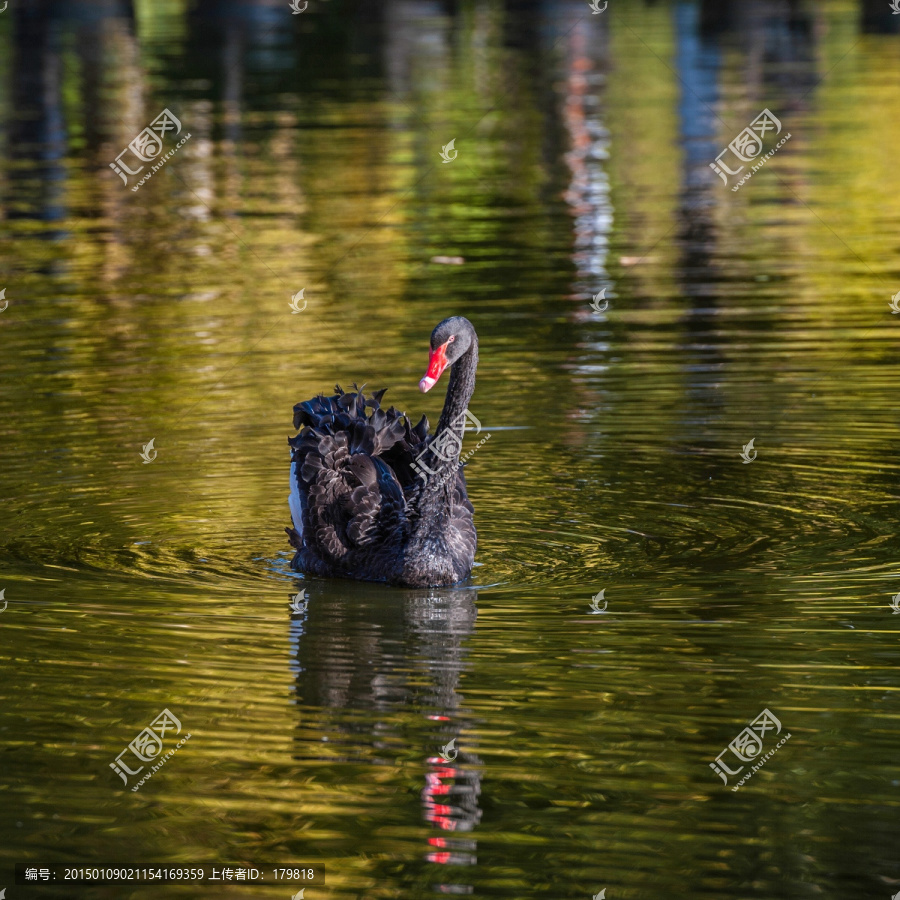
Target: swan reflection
(399, 655)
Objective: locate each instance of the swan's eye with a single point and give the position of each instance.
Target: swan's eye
(451, 339)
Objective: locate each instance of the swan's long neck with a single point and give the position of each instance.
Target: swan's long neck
(443, 461)
(459, 393)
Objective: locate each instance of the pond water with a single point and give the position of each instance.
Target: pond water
(583, 740)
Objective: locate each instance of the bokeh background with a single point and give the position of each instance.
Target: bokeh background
(584, 143)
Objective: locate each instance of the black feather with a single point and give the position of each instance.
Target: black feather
(365, 512)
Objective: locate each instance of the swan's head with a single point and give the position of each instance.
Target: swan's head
(450, 340)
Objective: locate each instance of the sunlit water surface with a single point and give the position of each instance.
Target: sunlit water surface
(584, 738)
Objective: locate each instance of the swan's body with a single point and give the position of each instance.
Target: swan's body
(375, 499)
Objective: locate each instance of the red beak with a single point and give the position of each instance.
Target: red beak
(437, 362)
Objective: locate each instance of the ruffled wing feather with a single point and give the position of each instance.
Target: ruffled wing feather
(347, 457)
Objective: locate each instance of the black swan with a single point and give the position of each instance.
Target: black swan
(375, 499)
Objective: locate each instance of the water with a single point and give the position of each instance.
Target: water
(584, 739)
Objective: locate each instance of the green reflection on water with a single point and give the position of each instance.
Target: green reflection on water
(584, 740)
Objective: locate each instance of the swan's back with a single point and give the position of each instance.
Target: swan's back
(353, 488)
